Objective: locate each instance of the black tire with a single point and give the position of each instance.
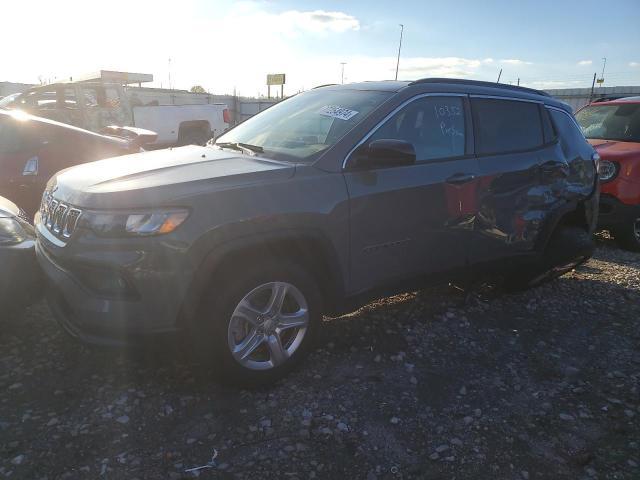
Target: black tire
(210, 328)
(568, 248)
(628, 235)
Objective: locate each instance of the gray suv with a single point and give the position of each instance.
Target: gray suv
(315, 206)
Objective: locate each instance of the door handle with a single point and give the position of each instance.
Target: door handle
(460, 178)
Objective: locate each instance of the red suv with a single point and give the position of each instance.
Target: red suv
(613, 128)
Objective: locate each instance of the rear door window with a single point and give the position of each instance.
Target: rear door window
(68, 98)
(91, 96)
(503, 126)
(41, 100)
(435, 126)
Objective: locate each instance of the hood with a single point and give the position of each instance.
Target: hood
(8, 209)
(616, 150)
(150, 178)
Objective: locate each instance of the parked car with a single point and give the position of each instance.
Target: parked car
(324, 201)
(20, 276)
(32, 149)
(5, 102)
(95, 105)
(613, 128)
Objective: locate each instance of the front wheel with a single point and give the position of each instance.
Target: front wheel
(255, 326)
(628, 235)
(568, 248)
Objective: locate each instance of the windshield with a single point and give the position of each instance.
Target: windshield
(299, 128)
(611, 122)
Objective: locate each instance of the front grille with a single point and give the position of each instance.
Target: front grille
(59, 218)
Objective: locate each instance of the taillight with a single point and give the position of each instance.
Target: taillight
(225, 116)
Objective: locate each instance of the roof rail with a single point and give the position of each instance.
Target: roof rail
(325, 85)
(479, 83)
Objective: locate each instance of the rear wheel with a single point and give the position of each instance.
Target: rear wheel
(568, 248)
(255, 329)
(628, 235)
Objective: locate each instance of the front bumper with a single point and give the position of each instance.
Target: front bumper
(110, 320)
(20, 275)
(614, 213)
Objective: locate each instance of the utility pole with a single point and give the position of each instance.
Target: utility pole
(399, 49)
(499, 75)
(169, 68)
(518, 81)
(342, 75)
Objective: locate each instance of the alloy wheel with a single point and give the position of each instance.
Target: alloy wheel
(268, 325)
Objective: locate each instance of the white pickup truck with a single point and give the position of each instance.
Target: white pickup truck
(94, 106)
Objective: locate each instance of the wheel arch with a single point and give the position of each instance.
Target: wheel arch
(310, 248)
(191, 125)
(574, 214)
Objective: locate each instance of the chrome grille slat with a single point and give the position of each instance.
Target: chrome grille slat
(71, 222)
(53, 205)
(58, 218)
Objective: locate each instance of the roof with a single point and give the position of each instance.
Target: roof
(111, 76)
(613, 101)
(383, 85)
(479, 83)
(396, 86)
(623, 100)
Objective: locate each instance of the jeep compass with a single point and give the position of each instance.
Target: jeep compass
(315, 206)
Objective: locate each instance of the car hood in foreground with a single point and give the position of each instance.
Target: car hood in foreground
(8, 209)
(158, 176)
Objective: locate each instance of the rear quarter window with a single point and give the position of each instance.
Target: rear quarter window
(502, 126)
(571, 138)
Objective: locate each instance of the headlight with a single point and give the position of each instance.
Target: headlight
(11, 232)
(134, 224)
(607, 170)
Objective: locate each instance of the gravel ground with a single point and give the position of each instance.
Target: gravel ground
(435, 384)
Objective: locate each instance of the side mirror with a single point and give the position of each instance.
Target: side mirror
(384, 153)
(31, 167)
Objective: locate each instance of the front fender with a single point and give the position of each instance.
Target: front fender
(213, 249)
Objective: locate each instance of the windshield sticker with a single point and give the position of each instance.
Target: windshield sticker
(335, 111)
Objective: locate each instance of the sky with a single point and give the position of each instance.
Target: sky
(228, 46)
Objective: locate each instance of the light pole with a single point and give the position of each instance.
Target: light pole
(399, 48)
(342, 75)
(604, 64)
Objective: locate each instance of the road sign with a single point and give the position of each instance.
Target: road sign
(275, 79)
